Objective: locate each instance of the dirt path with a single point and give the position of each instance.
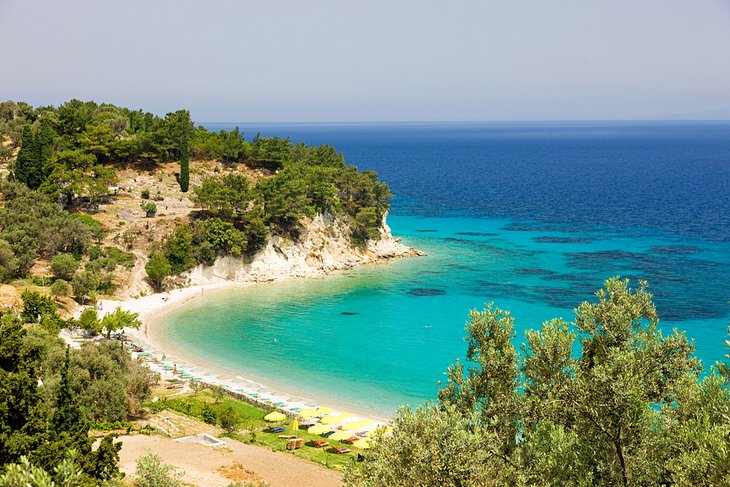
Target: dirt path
(137, 279)
(202, 464)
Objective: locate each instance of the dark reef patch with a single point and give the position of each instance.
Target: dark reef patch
(455, 239)
(565, 240)
(672, 277)
(511, 252)
(528, 227)
(478, 234)
(533, 271)
(565, 277)
(426, 230)
(550, 227)
(675, 250)
(421, 291)
(349, 313)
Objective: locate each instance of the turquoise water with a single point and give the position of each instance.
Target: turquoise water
(532, 216)
(381, 336)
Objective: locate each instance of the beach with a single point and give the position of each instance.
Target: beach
(170, 363)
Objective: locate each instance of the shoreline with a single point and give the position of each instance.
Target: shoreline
(153, 309)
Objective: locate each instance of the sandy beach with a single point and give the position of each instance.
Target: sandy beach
(152, 310)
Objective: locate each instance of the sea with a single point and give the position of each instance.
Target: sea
(530, 216)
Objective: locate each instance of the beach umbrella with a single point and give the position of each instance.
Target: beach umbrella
(307, 413)
(295, 424)
(363, 424)
(318, 429)
(340, 435)
(323, 411)
(274, 416)
(335, 418)
(363, 443)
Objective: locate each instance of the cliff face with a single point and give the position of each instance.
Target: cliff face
(324, 246)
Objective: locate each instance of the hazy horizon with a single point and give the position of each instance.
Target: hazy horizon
(347, 61)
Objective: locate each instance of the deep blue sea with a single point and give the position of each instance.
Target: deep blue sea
(532, 216)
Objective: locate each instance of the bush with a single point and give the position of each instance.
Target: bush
(89, 320)
(149, 208)
(85, 282)
(229, 419)
(36, 307)
(64, 266)
(151, 472)
(145, 194)
(208, 414)
(121, 257)
(61, 288)
(91, 224)
(158, 268)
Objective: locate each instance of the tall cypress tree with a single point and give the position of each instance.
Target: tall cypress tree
(184, 161)
(35, 151)
(25, 162)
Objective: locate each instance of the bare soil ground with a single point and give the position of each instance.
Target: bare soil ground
(206, 466)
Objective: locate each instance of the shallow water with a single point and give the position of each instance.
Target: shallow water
(381, 336)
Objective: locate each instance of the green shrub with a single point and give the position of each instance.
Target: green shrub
(64, 266)
(149, 208)
(61, 288)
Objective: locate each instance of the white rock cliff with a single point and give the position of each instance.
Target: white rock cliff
(323, 246)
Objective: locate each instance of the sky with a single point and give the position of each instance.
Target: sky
(377, 60)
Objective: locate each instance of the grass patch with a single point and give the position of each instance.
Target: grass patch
(253, 429)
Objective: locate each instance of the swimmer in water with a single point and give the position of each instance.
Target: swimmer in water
(276, 340)
(428, 326)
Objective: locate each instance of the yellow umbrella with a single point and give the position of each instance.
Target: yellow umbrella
(275, 416)
(357, 425)
(334, 418)
(340, 435)
(323, 411)
(384, 429)
(307, 413)
(295, 424)
(318, 429)
(363, 443)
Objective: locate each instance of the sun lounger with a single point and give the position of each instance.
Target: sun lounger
(319, 443)
(351, 440)
(328, 434)
(340, 451)
(294, 443)
(277, 430)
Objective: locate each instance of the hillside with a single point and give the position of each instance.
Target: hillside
(153, 203)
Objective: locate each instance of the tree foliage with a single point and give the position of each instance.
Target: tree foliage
(119, 319)
(40, 426)
(34, 227)
(606, 400)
